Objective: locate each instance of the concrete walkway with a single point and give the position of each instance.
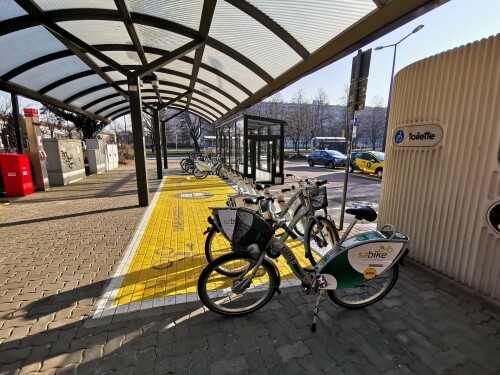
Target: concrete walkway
(59, 249)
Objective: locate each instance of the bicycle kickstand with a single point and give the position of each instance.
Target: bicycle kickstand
(316, 310)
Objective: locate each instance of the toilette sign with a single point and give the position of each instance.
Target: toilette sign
(417, 136)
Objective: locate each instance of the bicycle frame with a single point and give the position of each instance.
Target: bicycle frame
(352, 262)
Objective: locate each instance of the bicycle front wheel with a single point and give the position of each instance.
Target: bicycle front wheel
(227, 295)
(367, 293)
(200, 175)
(216, 245)
(321, 237)
(299, 227)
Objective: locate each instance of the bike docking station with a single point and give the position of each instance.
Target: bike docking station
(162, 262)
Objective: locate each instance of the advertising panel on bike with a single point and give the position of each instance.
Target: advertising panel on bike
(363, 259)
(225, 218)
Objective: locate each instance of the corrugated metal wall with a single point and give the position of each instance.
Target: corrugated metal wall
(440, 195)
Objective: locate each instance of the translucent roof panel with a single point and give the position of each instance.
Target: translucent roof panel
(220, 82)
(104, 103)
(80, 102)
(35, 42)
(113, 109)
(158, 38)
(63, 92)
(198, 99)
(98, 32)
(314, 22)
(116, 76)
(68, 4)
(121, 57)
(253, 40)
(167, 87)
(9, 9)
(174, 79)
(232, 68)
(215, 94)
(184, 12)
(180, 66)
(45, 74)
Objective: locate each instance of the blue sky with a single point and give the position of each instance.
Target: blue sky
(453, 24)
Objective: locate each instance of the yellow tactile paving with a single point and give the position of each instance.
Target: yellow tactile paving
(170, 254)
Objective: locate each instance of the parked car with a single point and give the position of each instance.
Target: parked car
(328, 158)
(367, 162)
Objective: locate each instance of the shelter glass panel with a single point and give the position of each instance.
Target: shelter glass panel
(183, 12)
(169, 78)
(202, 99)
(80, 102)
(232, 68)
(9, 9)
(35, 42)
(158, 38)
(114, 109)
(220, 82)
(98, 32)
(68, 4)
(249, 37)
(314, 22)
(215, 94)
(104, 103)
(63, 92)
(45, 74)
(179, 66)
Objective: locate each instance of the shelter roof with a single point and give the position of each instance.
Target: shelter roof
(211, 57)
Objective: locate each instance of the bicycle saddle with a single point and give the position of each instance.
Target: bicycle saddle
(260, 187)
(363, 213)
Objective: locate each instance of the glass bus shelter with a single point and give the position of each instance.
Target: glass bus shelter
(253, 146)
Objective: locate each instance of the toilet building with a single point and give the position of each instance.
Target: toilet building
(442, 172)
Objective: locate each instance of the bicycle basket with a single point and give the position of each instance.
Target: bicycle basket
(250, 228)
(317, 196)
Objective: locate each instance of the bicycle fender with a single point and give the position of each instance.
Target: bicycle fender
(401, 258)
(269, 260)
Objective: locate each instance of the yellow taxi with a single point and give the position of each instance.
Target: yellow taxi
(367, 161)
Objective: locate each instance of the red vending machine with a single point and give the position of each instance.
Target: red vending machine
(16, 173)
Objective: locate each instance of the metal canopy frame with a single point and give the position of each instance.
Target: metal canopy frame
(241, 52)
(386, 16)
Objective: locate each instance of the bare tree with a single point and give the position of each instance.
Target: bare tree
(320, 113)
(194, 126)
(298, 117)
(8, 136)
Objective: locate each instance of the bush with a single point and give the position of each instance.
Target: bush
(125, 154)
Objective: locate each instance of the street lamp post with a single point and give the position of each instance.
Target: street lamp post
(395, 45)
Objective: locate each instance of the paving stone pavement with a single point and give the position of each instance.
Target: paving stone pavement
(58, 250)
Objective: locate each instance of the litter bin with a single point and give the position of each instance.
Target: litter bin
(16, 173)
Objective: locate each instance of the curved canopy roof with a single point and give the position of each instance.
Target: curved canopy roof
(211, 57)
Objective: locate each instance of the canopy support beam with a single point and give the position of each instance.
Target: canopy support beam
(134, 90)
(156, 129)
(17, 122)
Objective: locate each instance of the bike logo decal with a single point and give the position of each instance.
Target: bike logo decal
(399, 136)
(375, 255)
(370, 273)
(165, 256)
(195, 195)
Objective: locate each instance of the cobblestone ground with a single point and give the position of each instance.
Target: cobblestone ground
(59, 248)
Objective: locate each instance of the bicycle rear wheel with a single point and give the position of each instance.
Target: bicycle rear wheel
(220, 292)
(321, 237)
(367, 293)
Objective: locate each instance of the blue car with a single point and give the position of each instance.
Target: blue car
(329, 158)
